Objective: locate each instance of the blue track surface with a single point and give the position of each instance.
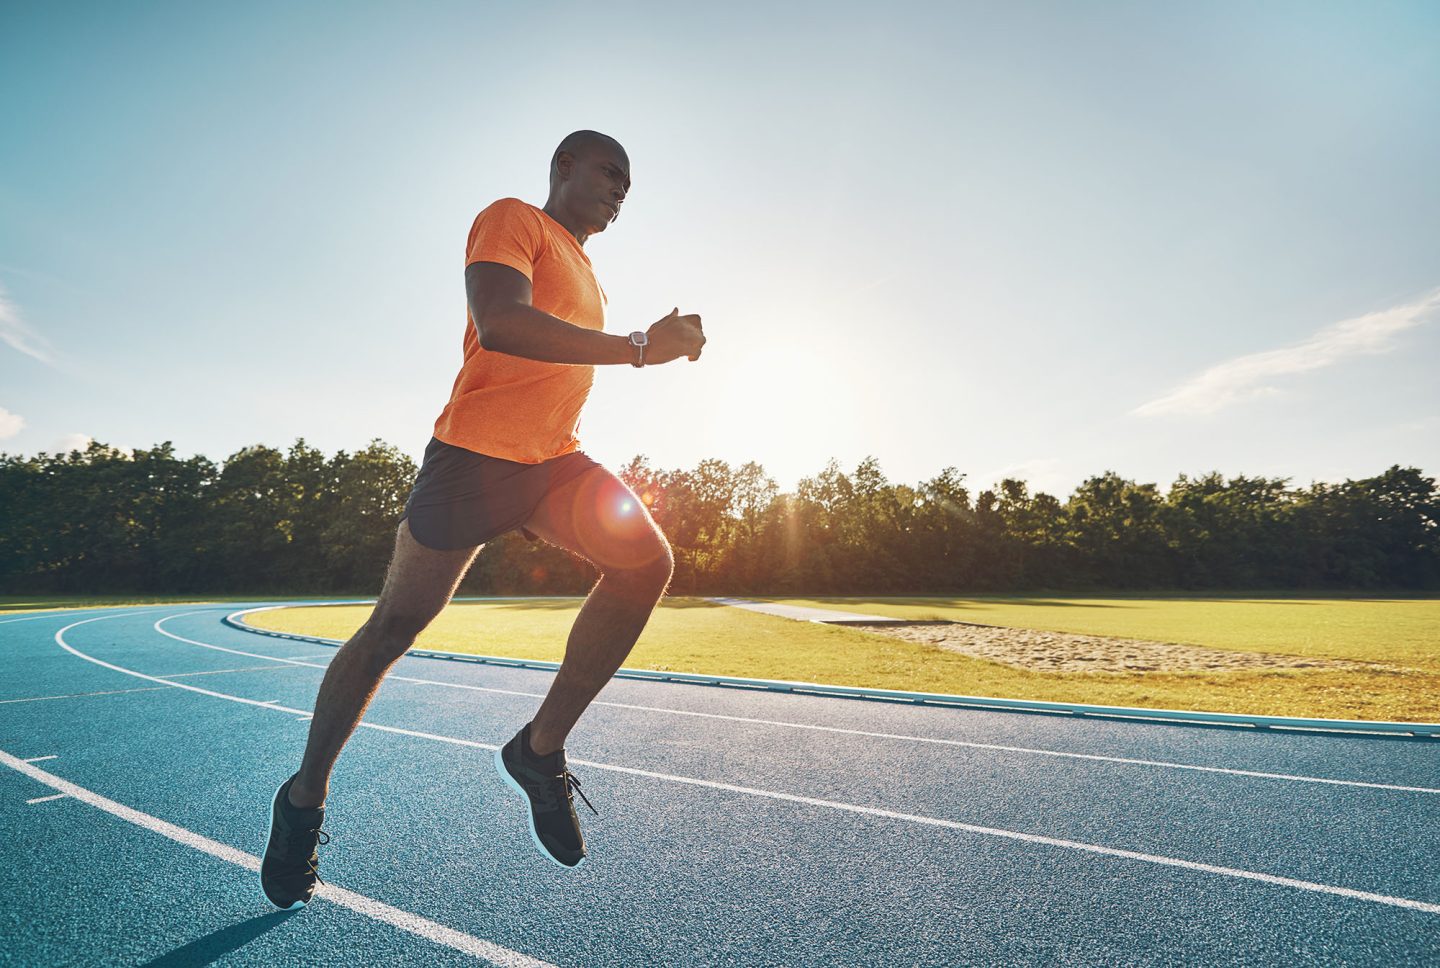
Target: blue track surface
(735, 827)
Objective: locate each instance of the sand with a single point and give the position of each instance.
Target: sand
(1067, 652)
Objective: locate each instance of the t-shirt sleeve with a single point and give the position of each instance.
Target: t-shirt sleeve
(507, 232)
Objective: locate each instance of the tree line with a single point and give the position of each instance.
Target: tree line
(101, 521)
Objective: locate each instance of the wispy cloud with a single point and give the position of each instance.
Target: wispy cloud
(1247, 377)
(10, 424)
(1041, 473)
(71, 442)
(15, 331)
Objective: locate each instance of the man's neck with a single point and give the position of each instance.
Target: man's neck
(553, 210)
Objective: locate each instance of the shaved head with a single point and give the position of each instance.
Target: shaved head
(580, 144)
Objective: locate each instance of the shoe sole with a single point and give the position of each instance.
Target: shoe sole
(530, 813)
(271, 829)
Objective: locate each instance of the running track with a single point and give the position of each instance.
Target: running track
(140, 748)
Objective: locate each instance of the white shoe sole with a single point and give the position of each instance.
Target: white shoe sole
(530, 813)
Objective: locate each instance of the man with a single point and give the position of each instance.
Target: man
(504, 455)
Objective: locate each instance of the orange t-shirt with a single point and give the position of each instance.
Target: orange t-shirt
(509, 406)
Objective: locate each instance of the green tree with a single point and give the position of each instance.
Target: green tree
(1116, 525)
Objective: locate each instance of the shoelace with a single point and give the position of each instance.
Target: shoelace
(298, 843)
(572, 782)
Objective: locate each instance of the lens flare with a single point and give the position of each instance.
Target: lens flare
(612, 526)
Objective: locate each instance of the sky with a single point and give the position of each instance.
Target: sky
(1026, 239)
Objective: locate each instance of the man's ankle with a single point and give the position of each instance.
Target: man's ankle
(539, 749)
(303, 799)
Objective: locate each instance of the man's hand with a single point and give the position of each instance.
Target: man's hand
(673, 337)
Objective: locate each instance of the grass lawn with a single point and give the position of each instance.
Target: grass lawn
(692, 635)
(1395, 631)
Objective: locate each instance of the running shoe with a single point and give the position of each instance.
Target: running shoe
(548, 788)
(291, 863)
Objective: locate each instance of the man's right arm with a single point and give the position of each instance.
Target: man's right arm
(506, 322)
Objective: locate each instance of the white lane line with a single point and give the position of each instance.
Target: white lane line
(77, 695)
(67, 612)
(60, 640)
(1039, 752)
(53, 796)
(359, 903)
(299, 660)
(41, 759)
(837, 805)
(1094, 757)
(31, 618)
(216, 672)
(1047, 841)
(316, 665)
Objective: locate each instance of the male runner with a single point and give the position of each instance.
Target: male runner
(504, 455)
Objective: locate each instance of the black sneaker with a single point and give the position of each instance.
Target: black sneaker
(290, 865)
(547, 787)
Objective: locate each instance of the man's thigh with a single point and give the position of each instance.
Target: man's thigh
(599, 518)
(419, 581)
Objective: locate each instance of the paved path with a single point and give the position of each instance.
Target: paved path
(139, 749)
(803, 613)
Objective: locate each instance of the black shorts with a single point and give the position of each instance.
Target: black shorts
(462, 499)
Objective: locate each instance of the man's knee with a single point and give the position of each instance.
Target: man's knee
(651, 571)
(393, 632)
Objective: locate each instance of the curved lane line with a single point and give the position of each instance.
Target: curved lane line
(80, 695)
(1312, 886)
(359, 903)
(1255, 774)
(319, 665)
(67, 612)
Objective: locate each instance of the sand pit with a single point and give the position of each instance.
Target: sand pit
(1041, 651)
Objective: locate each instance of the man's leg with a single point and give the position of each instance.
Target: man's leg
(418, 584)
(600, 519)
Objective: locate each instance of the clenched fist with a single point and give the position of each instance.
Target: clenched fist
(673, 337)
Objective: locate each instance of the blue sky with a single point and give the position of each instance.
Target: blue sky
(1043, 240)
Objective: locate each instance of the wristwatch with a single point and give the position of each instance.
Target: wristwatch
(639, 340)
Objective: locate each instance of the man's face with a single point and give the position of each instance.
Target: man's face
(598, 184)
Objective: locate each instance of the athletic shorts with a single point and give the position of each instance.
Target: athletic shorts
(462, 499)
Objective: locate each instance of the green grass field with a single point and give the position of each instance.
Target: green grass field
(692, 635)
(1388, 630)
